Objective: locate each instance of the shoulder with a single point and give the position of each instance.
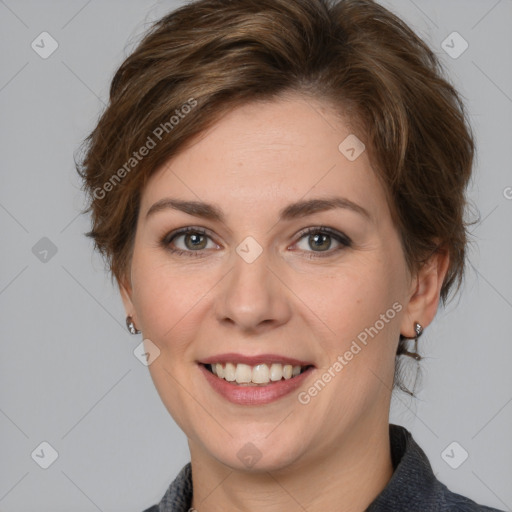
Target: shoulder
(178, 497)
(452, 502)
(413, 485)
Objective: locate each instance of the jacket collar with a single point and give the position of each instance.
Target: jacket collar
(413, 482)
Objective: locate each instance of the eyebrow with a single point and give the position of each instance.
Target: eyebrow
(290, 212)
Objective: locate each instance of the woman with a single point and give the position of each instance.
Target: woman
(278, 188)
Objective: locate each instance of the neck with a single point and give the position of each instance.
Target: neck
(347, 479)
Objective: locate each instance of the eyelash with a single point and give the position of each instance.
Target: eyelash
(339, 237)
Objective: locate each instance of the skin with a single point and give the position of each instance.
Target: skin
(252, 163)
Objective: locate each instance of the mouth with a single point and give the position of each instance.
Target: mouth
(260, 374)
(252, 380)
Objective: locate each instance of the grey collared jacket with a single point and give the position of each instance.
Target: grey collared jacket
(412, 488)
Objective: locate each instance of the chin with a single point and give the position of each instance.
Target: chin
(242, 454)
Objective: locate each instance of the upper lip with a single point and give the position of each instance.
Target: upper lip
(232, 357)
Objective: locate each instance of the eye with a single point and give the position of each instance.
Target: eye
(321, 238)
(194, 241)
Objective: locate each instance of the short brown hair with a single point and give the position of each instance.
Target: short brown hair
(214, 55)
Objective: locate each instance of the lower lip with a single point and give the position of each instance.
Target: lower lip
(254, 395)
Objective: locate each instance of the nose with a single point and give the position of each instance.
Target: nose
(253, 297)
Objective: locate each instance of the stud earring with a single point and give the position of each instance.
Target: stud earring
(131, 326)
(418, 329)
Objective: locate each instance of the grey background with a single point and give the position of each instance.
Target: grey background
(68, 375)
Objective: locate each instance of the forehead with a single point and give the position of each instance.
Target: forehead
(267, 155)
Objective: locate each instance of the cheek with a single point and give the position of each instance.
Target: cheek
(362, 310)
(169, 299)
(364, 314)
(160, 297)
(354, 299)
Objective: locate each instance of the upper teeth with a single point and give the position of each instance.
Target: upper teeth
(258, 374)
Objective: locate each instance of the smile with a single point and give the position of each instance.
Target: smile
(260, 374)
(255, 393)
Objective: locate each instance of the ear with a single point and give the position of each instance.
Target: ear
(425, 293)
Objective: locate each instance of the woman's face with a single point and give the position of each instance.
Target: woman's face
(255, 284)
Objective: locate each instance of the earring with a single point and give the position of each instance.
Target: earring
(131, 326)
(418, 329)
